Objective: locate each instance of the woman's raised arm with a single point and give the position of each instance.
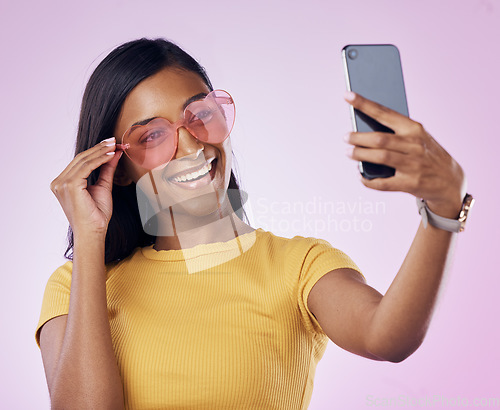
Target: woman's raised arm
(77, 350)
(356, 316)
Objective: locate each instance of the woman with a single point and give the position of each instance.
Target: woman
(176, 302)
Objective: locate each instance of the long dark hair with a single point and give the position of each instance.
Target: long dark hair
(109, 85)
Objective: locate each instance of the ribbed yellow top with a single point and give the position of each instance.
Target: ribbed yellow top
(238, 335)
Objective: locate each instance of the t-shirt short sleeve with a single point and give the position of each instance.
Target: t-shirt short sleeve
(56, 296)
(320, 258)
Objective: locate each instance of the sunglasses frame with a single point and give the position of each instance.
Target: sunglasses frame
(228, 100)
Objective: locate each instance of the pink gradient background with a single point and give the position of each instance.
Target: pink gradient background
(281, 61)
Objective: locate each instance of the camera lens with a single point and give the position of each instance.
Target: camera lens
(352, 53)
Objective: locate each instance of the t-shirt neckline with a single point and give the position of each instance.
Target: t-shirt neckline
(202, 249)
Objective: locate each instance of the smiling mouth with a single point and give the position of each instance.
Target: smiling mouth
(196, 178)
(193, 176)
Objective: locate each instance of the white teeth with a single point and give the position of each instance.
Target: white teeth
(188, 177)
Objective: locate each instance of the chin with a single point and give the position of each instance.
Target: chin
(201, 206)
(160, 216)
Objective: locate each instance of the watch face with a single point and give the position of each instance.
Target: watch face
(469, 201)
(466, 206)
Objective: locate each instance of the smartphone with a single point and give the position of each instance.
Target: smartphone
(374, 71)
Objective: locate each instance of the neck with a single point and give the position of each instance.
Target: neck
(189, 231)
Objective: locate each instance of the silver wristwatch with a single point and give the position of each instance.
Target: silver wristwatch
(450, 225)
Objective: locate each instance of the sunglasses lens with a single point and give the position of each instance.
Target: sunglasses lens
(212, 118)
(151, 145)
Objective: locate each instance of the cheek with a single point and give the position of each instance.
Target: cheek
(131, 170)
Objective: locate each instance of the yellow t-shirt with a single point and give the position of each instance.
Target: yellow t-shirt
(238, 335)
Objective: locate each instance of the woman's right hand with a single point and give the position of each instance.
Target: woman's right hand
(88, 208)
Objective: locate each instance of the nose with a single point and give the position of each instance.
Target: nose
(188, 145)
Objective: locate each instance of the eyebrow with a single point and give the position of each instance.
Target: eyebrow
(186, 103)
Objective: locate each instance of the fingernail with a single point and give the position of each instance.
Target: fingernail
(108, 139)
(346, 137)
(348, 151)
(110, 153)
(349, 96)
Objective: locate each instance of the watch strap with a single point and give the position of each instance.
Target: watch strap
(450, 225)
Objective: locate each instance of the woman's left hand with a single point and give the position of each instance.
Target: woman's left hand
(423, 168)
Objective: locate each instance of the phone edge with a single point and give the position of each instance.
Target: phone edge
(351, 108)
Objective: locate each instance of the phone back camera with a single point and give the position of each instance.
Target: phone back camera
(352, 53)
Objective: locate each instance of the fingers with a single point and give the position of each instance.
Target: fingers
(423, 167)
(108, 170)
(390, 118)
(79, 169)
(94, 160)
(399, 182)
(100, 148)
(378, 156)
(383, 140)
